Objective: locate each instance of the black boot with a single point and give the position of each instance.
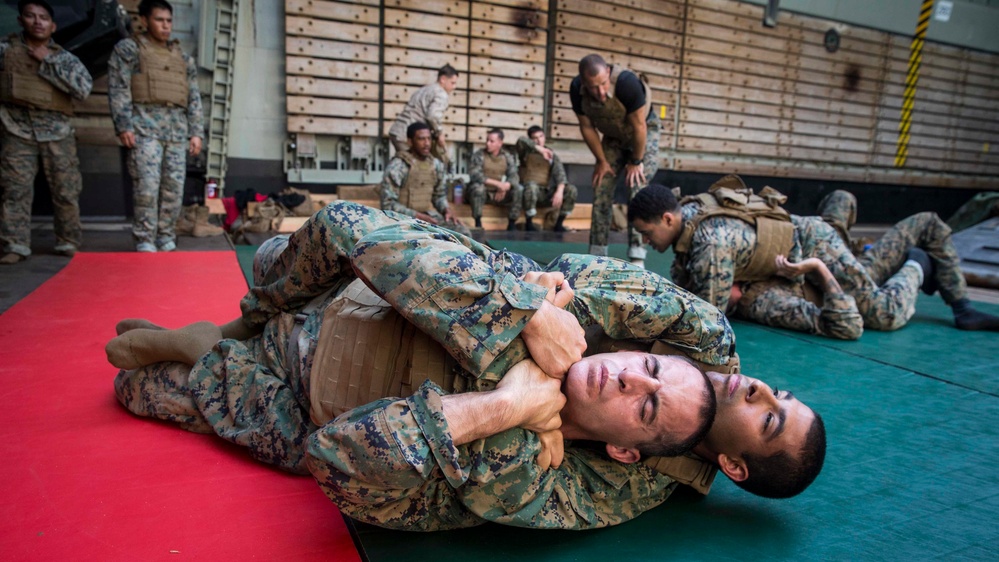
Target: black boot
(529, 225)
(919, 256)
(511, 224)
(967, 318)
(558, 224)
(478, 222)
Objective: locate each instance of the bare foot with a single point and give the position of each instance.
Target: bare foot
(145, 346)
(134, 324)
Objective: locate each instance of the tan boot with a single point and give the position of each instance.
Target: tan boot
(202, 227)
(185, 223)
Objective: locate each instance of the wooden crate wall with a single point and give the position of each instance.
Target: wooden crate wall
(506, 81)
(421, 36)
(643, 35)
(332, 66)
(774, 102)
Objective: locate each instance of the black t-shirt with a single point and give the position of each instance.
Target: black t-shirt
(628, 89)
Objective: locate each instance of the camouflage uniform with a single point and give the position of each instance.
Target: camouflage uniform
(406, 473)
(886, 256)
(722, 246)
(785, 304)
(29, 133)
(158, 163)
(428, 104)
(478, 193)
(393, 182)
(535, 193)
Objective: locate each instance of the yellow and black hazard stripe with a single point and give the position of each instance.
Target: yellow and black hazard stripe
(912, 76)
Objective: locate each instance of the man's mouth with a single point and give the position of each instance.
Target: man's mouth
(733, 384)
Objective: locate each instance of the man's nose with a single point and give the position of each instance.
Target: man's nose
(639, 383)
(761, 393)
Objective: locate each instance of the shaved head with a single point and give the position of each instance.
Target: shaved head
(591, 65)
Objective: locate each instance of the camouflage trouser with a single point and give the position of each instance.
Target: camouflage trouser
(926, 231)
(885, 307)
(478, 193)
(839, 209)
(158, 169)
(603, 196)
(535, 195)
(18, 167)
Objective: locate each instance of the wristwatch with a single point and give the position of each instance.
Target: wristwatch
(635, 162)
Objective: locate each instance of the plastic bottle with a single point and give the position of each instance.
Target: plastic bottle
(458, 195)
(211, 189)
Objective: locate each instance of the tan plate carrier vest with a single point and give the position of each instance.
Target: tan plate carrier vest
(729, 197)
(536, 169)
(418, 191)
(494, 167)
(162, 76)
(611, 117)
(21, 85)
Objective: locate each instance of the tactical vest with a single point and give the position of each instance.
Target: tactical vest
(729, 197)
(21, 85)
(494, 167)
(162, 76)
(418, 191)
(611, 117)
(367, 351)
(535, 168)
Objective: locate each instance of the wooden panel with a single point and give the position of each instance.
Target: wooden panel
(331, 88)
(411, 76)
(495, 67)
(612, 12)
(509, 33)
(453, 132)
(331, 30)
(321, 48)
(304, 105)
(502, 102)
(668, 48)
(428, 41)
(456, 8)
(419, 21)
(518, 17)
(400, 93)
(339, 11)
(526, 4)
(508, 121)
(742, 120)
(433, 60)
(332, 126)
(620, 29)
(502, 50)
(455, 115)
(569, 57)
(332, 69)
(500, 85)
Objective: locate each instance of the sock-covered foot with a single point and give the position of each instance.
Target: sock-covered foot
(141, 347)
(919, 256)
(967, 318)
(129, 324)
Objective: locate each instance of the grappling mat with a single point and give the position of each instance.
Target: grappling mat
(83, 479)
(913, 423)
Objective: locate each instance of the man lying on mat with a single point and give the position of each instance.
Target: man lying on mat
(313, 341)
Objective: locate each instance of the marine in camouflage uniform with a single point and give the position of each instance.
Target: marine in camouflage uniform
(255, 393)
(32, 129)
(721, 246)
(398, 183)
(542, 179)
(162, 129)
(886, 257)
(428, 104)
(628, 94)
(503, 165)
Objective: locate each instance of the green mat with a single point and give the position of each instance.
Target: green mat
(244, 255)
(913, 424)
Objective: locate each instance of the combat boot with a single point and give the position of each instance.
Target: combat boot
(202, 227)
(185, 222)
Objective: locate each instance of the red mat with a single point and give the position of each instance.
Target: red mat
(82, 479)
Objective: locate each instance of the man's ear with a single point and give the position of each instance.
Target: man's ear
(733, 467)
(623, 454)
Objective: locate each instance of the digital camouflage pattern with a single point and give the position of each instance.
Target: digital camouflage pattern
(255, 393)
(158, 121)
(478, 193)
(535, 194)
(393, 180)
(617, 154)
(428, 104)
(158, 163)
(18, 167)
(30, 134)
(922, 230)
(782, 303)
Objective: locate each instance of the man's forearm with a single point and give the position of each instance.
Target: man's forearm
(476, 415)
(641, 134)
(592, 140)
